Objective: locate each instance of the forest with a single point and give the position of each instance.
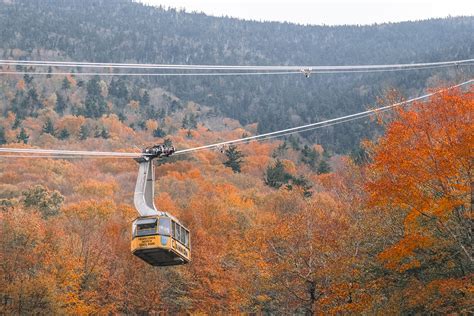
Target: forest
(125, 31)
(275, 229)
(373, 216)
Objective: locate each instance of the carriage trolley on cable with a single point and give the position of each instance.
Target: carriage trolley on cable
(158, 238)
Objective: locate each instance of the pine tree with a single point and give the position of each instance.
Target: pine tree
(17, 123)
(294, 142)
(234, 158)
(118, 89)
(60, 104)
(310, 156)
(104, 133)
(23, 136)
(304, 184)
(276, 175)
(28, 79)
(160, 133)
(3, 139)
(324, 167)
(33, 95)
(83, 132)
(64, 134)
(145, 100)
(185, 123)
(95, 103)
(48, 127)
(66, 84)
(192, 121)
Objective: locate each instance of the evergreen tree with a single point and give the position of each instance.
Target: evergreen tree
(234, 158)
(66, 84)
(304, 184)
(324, 167)
(162, 113)
(23, 136)
(310, 157)
(192, 121)
(160, 133)
(145, 100)
(3, 139)
(175, 105)
(95, 105)
(118, 89)
(122, 118)
(104, 133)
(276, 175)
(189, 121)
(33, 95)
(28, 79)
(185, 123)
(64, 134)
(97, 133)
(60, 104)
(83, 132)
(48, 127)
(294, 142)
(17, 123)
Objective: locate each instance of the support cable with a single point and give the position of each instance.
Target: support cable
(70, 152)
(246, 73)
(221, 67)
(309, 126)
(95, 154)
(144, 74)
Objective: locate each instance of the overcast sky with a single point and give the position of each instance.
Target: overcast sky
(329, 12)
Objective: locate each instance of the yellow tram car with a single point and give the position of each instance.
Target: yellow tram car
(160, 241)
(158, 238)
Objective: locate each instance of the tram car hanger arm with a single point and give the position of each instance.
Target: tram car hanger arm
(145, 186)
(158, 238)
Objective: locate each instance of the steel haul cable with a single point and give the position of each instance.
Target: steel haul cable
(51, 153)
(246, 73)
(309, 126)
(222, 67)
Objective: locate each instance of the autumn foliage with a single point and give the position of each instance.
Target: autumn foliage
(392, 236)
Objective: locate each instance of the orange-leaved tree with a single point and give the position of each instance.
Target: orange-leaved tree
(423, 169)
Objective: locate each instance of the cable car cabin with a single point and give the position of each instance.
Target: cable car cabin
(157, 237)
(160, 241)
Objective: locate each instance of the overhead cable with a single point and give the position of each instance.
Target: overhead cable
(309, 126)
(265, 136)
(70, 152)
(222, 67)
(48, 156)
(242, 73)
(118, 74)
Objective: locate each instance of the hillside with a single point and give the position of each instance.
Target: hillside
(123, 31)
(280, 234)
(288, 226)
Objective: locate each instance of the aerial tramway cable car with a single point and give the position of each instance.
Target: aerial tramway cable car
(158, 238)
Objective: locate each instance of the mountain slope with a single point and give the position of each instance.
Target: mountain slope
(117, 31)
